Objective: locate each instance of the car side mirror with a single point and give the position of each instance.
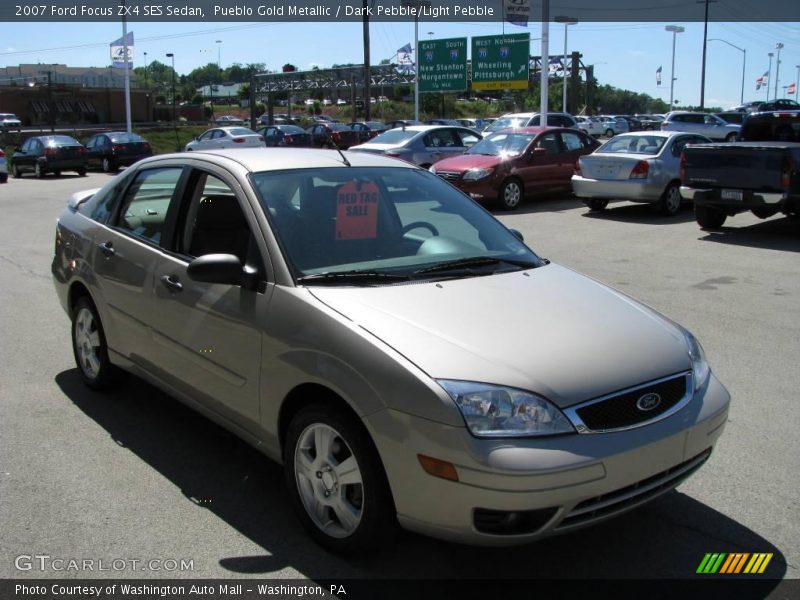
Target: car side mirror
(517, 234)
(217, 268)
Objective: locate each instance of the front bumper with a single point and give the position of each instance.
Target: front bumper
(634, 190)
(483, 189)
(580, 478)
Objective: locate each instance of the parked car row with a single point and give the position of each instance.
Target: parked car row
(108, 151)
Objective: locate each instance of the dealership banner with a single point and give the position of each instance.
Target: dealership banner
(118, 52)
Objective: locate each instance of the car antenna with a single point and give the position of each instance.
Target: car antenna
(339, 150)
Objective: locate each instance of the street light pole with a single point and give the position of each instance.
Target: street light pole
(769, 73)
(544, 76)
(219, 52)
(567, 21)
(675, 29)
(796, 82)
(744, 60)
(417, 5)
(778, 47)
(145, 70)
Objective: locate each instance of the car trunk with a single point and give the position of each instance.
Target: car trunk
(613, 167)
(297, 139)
(132, 149)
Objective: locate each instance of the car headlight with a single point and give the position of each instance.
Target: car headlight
(700, 368)
(432, 169)
(475, 174)
(497, 411)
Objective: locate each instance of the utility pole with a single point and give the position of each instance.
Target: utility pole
(769, 73)
(545, 64)
(50, 102)
(703, 68)
(126, 70)
(365, 4)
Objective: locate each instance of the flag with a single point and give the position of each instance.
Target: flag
(555, 67)
(792, 89)
(517, 12)
(405, 59)
(762, 81)
(658, 75)
(118, 52)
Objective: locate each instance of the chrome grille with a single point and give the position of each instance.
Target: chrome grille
(449, 175)
(625, 409)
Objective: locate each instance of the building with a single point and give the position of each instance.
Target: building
(31, 75)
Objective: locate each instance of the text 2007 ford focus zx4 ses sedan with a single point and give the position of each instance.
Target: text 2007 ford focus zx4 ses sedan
(403, 354)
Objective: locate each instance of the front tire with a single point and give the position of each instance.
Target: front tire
(38, 171)
(511, 194)
(108, 166)
(90, 348)
(82, 172)
(16, 173)
(670, 202)
(709, 218)
(595, 204)
(336, 481)
(3, 177)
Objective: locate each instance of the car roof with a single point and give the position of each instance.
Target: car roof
(228, 129)
(279, 159)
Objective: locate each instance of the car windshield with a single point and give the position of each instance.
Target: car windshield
(380, 225)
(241, 131)
(125, 138)
(508, 123)
(394, 136)
(632, 144)
(502, 144)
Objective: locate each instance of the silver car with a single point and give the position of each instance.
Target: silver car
(614, 125)
(710, 126)
(331, 309)
(643, 166)
(226, 137)
(422, 145)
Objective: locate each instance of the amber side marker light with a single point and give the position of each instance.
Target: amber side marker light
(438, 468)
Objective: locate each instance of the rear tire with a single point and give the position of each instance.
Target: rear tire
(82, 172)
(595, 204)
(336, 481)
(38, 171)
(90, 348)
(731, 137)
(670, 202)
(709, 218)
(3, 177)
(108, 165)
(609, 133)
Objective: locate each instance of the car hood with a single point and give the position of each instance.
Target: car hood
(464, 162)
(548, 330)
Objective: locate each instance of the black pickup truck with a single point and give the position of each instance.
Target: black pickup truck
(759, 173)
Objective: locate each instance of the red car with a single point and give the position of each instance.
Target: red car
(509, 164)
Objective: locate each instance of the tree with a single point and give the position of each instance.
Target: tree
(289, 68)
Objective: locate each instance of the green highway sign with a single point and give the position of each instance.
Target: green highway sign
(500, 62)
(443, 65)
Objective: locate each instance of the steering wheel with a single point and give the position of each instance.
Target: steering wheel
(418, 224)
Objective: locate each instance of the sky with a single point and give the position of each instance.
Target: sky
(625, 55)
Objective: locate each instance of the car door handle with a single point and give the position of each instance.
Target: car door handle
(107, 248)
(171, 283)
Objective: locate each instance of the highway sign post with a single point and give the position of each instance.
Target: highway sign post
(442, 65)
(500, 62)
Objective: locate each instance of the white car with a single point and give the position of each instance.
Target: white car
(341, 102)
(591, 125)
(614, 125)
(9, 121)
(327, 102)
(226, 137)
(309, 102)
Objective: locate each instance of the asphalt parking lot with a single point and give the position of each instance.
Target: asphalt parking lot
(137, 475)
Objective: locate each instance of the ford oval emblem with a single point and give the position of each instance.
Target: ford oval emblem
(648, 402)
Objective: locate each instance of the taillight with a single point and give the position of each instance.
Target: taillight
(238, 140)
(683, 168)
(578, 168)
(118, 147)
(640, 170)
(261, 139)
(2, 154)
(786, 172)
(82, 150)
(288, 139)
(50, 151)
(336, 135)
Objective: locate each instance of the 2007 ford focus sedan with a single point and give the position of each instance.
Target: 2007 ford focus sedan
(404, 355)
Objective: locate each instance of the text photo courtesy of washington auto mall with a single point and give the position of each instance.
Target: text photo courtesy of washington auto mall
(371, 299)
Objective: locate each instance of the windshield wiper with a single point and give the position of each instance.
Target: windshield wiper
(475, 261)
(355, 277)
